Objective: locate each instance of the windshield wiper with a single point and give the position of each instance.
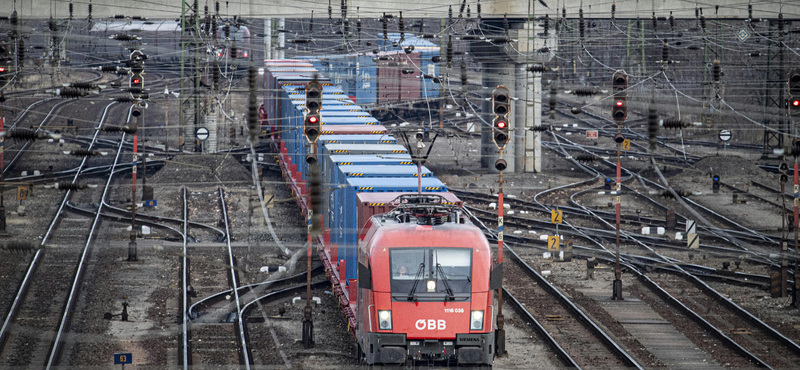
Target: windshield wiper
(416, 281)
(450, 295)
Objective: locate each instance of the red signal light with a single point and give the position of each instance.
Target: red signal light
(501, 124)
(246, 54)
(619, 103)
(313, 119)
(136, 81)
(796, 103)
(2, 69)
(219, 54)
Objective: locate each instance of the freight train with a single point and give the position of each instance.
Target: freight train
(414, 277)
(395, 72)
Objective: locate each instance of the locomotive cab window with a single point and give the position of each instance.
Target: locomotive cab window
(431, 274)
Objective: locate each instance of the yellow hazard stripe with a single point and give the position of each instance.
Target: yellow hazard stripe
(377, 204)
(365, 188)
(355, 174)
(431, 188)
(345, 163)
(406, 162)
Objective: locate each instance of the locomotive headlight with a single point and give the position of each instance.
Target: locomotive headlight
(431, 285)
(385, 319)
(476, 322)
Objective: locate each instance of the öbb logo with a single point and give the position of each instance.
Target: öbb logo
(431, 324)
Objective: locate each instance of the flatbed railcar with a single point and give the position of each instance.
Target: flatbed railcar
(414, 277)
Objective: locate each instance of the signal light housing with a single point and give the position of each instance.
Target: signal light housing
(500, 107)
(619, 84)
(312, 122)
(794, 95)
(715, 185)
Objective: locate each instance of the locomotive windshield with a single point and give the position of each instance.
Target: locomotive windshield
(431, 273)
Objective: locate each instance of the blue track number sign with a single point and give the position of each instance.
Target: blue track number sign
(123, 358)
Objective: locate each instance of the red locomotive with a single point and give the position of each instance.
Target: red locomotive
(424, 292)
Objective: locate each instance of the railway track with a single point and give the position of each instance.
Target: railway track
(44, 278)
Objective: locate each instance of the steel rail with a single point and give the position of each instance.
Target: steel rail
(55, 352)
(185, 285)
(219, 296)
(13, 161)
(245, 354)
(561, 353)
(23, 288)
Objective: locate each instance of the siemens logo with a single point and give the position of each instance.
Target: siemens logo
(469, 339)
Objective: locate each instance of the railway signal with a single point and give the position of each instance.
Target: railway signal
(136, 64)
(311, 125)
(500, 125)
(619, 111)
(715, 185)
(4, 65)
(794, 95)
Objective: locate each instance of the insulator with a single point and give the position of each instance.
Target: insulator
(652, 127)
(540, 128)
(252, 110)
(716, 71)
(215, 75)
(553, 94)
(750, 12)
(581, 24)
(343, 8)
(546, 25)
(205, 10)
(450, 51)
(703, 22)
(124, 99)
(613, 11)
(585, 158)
(215, 27)
(450, 14)
(119, 16)
(665, 53)
(358, 29)
(755, 54)
(780, 24)
(668, 194)
(208, 23)
(463, 74)
(52, 25)
(19, 246)
(126, 129)
(671, 21)
(84, 152)
(564, 13)
(479, 9)
(469, 13)
(234, 51)
(109, 68)
(196, 7)
(82, 85)
(655, 21)
(216, 6)
(505, 24)
(66, 185)
(125, 37)
(385, 27)
(21, 53)
(463, 5)
(21, 134)
(538, 68)
(14, 18)
(673, 123)
(137, 18)
(584, 91)
(311, 23)
(70, 10)
(696, 12)
(227, 30)
(70, 93)
(90, 11)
